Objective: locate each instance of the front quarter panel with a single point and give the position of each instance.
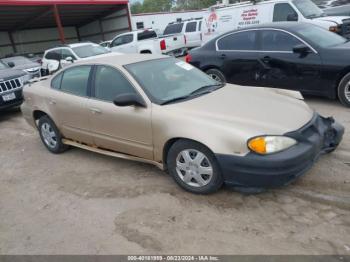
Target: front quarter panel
(216, 135)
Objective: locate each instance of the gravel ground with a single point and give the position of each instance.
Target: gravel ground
(84, 203)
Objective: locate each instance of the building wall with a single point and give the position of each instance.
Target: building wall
(38, 40)
(112, 25)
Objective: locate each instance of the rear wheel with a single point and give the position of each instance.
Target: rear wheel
(344, 90)
(217, 75)
(194, 167)
(50, 136)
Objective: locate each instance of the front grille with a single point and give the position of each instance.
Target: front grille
(345, 28)
(10, 85)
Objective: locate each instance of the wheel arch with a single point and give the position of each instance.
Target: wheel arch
(171, 142)
(37, 114)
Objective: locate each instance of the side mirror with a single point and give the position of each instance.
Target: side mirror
(11, 64)
(292, 17)
(69, 59)
(302, 49)
(129, 100)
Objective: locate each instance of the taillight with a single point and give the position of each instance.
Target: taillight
(188, 58)
(185, 40)
(162, 45)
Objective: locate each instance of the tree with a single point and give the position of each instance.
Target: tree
(151, 6)
(194, 4)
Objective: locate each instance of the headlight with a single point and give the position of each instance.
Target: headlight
(25, 79)
(270, 144)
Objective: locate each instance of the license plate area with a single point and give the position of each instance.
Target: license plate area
(9, 97)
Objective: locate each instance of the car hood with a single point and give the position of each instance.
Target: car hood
(10, 73)
(27, 66)
(332, 19)
(254, 110)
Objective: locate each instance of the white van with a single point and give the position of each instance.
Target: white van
(222, 18)
(191, 29)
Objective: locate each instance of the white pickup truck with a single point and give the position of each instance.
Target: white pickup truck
(148, 42)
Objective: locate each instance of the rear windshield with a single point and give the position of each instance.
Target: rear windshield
(146, 35)
(90, 50)
(173, 29)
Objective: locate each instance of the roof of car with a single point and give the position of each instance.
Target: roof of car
(121, 59)
(278, 25)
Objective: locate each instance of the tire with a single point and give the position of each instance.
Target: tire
(217, 75)
(186, 171)
(51, 136)
(344, 90)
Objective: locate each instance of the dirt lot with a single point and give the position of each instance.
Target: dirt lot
(84, 203)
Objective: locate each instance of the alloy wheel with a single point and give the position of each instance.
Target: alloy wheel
(215, 77)
(347, 91)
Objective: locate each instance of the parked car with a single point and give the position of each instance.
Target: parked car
(22, 63)
(11, 85)
(343, 10)
(191, 29)
(296, 56)
(220, 19)
(64, 55)
(148, 42)
(159, 110)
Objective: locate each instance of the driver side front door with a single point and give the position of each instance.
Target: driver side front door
(126, 130)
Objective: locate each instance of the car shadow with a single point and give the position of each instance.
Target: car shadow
(7, 114)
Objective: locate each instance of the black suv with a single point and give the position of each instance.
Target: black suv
(11, 85)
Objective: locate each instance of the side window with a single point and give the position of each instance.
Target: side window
(122, 40)
(109, 83)
(146, 35)
(200, 26)
(238, 41)
(191, 27)
(140, 25)
(54, 55)
(66, 53)
(75, 80)
(284, 12)
(272, 40)
(56, 82)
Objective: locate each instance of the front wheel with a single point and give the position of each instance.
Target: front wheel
(50, 136)
(344, 90)
(217, 75)
(194, 167)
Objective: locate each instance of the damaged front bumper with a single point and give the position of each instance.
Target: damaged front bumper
(321, 135)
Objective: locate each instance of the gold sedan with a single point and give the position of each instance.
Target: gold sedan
(163, 111)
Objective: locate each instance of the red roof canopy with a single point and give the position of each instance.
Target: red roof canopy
(62, 2)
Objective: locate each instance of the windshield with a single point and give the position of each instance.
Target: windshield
(89, 50)
(320, 36)
(173, 29)
(2, 65)
(308, 8)
(168, 79)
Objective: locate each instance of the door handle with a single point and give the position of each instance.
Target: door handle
(264, 62)
(266, 59)
(52, 102)
(95, 111)
(223, 56)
